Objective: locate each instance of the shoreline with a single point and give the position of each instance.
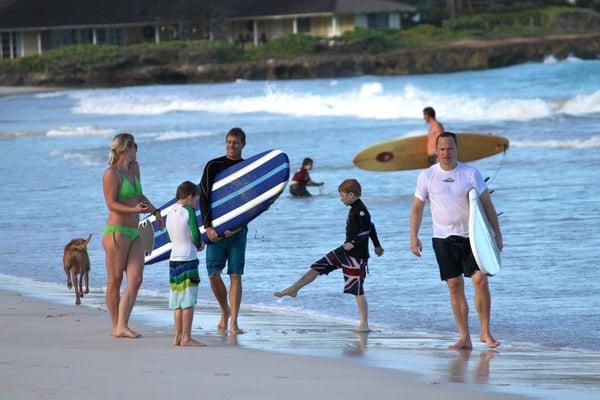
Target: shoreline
(6, 91)
(60, 351)
(454, 56)
(418, 363)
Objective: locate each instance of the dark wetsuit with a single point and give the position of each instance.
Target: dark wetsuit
(229, 250)
(208, 178)
(354, 263)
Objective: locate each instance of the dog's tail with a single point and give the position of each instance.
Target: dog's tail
(87, 240)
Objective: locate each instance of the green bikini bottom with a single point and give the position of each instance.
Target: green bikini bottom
(131, 233)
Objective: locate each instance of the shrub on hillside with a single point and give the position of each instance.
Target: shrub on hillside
(72, 58)
(200, 52)
(367, 40)
(287, 46)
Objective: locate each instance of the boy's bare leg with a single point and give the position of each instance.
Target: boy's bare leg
(235, 299)
(177, 317)
(220, 291)
(292, 291)
(186, 328)
(363, 312)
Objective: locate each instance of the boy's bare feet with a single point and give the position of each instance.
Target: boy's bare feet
(192, 342)
(362, 327)
(286, 292)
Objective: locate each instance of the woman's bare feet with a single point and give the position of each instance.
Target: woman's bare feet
(490, 341)
(125, 333)
(191, 342)
(177, 341)
(286, 292)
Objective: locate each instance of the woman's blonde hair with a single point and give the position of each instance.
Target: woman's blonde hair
(120, 144)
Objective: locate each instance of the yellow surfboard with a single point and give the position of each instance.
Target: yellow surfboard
(410, 152)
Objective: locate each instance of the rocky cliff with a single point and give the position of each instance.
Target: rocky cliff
(462, 55)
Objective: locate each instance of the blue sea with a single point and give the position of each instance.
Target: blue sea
(54, 148)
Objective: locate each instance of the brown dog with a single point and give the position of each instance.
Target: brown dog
(77, 262)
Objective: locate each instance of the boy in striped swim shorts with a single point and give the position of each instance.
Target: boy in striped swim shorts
(183, 263)
(352, 257)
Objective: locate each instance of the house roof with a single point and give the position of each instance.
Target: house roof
(22, 14)
(256, 8)
(51, 13)
(371, 6)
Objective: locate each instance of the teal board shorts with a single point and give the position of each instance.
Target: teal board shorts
(230, 251)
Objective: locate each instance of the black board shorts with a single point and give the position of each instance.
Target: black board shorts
(454, 257)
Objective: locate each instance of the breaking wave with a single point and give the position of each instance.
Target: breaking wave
(368, 101)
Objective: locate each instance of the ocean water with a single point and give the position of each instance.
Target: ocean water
(545, 300)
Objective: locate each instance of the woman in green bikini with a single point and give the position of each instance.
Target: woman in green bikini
(124, 254)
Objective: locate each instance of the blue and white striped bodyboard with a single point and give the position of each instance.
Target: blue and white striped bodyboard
(239, 194)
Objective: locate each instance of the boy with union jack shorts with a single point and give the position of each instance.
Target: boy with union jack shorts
(352, 257)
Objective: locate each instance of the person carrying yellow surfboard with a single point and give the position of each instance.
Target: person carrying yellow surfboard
(435, 130)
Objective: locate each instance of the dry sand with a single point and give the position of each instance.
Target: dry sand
(15, 90)
(50, 351)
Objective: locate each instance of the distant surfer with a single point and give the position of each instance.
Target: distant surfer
(231, 248)
(446, 185)
(301, 180)
(435, 130)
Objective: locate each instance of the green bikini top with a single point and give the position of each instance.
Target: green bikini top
(128, 190)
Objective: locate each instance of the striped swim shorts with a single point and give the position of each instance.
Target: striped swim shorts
(183, 280)
(354, 269)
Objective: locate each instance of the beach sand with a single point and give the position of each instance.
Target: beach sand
(53, 351)
(16, 90)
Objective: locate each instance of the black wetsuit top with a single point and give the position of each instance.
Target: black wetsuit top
(208, 178)
(358, 230)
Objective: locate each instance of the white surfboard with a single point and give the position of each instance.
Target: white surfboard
(482, 237)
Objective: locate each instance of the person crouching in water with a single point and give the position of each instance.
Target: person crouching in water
(351, 257)
(301, 180)
(183, 263)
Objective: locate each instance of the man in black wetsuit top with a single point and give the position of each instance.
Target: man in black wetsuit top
(231, 247)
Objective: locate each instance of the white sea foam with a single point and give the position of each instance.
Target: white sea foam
(582, 104)
(81, 131)
(367, 101)
(84, 158)
(49, 95)
(572, 58)
(552, 59)
(178, 135)
(591, 143)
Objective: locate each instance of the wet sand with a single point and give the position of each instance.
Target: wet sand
(59, 351)
(16, 90)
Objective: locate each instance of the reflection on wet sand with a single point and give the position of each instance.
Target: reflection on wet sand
(356, 346)
(457, 370)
